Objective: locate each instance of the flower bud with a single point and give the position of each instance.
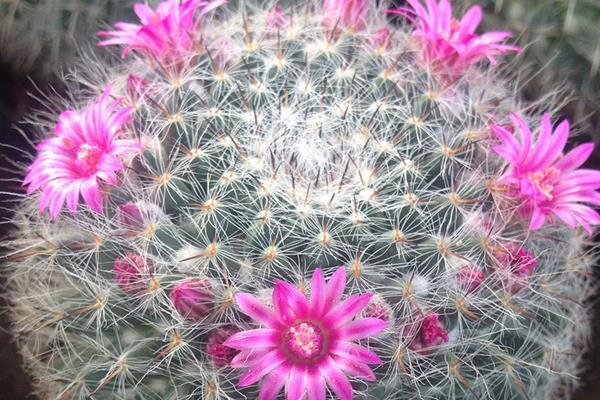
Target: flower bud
(430, 333)
(516, 265)
(130, 216)
(469, 278)
(277, 19)
(136, 87)
(219, 354)
(193, 298)
(132, 273)
(380, 38)
(378, 308)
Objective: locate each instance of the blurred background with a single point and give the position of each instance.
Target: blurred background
(39, 39)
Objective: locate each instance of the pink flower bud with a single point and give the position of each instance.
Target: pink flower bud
(193, 298)
(516, 265)
(218, 353)
(136, 87)
(378, 308)
(380, 38)
(431, 333)
(345, 14)
(470, 278)
(277, 19)
(132, 273)
(130, 216)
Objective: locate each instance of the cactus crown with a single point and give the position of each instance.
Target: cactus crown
(274, 150)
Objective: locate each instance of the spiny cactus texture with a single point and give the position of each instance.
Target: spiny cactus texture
(41, 36)
(563, 46)
(303, 202)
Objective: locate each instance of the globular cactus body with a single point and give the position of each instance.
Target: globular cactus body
(286, 155)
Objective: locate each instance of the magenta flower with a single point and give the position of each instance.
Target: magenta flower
(84, 153)
(431, 333)
(169, 34)
(132, 274)
(450, 46)
(547, 182)
(193, 298)
(218, 353)
(306, 344)
(345, 14)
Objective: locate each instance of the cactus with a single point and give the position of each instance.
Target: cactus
(267, 200)
(42, 36)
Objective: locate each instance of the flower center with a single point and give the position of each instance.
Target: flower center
(543, 182)
(88, 156)
(304, 340)
(452, 34)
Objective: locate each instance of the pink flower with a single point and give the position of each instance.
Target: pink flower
(169, 34)
(218, 353)
(306, 344)
(431, 333)
(132, 274)
(516, 265)
(193, 298)
(345, 14)
(84, 153)
(277, 19)
(448, 45)
(546, 181)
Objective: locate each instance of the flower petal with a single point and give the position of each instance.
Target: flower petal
(537, 219)
(335, 287)
(335, 379)
(470, 21)
(246, 358)
(315, 385)
(355, 368)
(268, 363)
(575, 158)
(253, 308)
(273, 383)
(289, 302)
(254, 338)
(362, 328)
(346, 310)
(296, 384)
(318, 293)
(91, 194)
(73, 196)
(57, 201)
(354, 351)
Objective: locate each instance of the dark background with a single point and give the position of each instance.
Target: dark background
(15, 102)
